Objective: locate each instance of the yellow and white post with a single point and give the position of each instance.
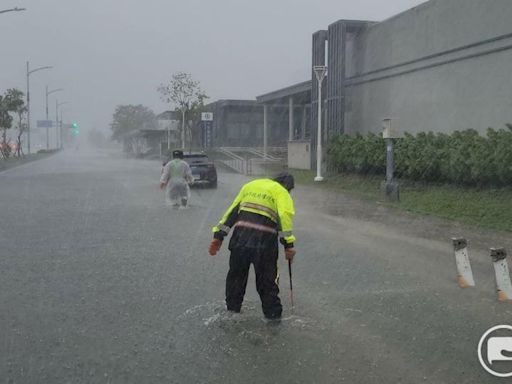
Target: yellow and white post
(464, 273)
(503, 283)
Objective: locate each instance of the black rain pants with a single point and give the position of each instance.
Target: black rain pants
(267, 278)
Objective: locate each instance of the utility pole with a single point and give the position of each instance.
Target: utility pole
(183, 129)
(29, 72)
(61, 132)
(57, 123)
(58, 131)
(47, 118)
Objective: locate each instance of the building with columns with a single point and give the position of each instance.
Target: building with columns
(441, 66)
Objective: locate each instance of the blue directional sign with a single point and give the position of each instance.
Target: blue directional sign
(44, 123)
(207, 133)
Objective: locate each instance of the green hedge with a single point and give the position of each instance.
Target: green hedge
(463, 157)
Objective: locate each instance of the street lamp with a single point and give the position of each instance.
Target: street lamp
(15, 9)
(47, 128)
(183, 111)
(320, 72)
(58, 133)
(29, 72)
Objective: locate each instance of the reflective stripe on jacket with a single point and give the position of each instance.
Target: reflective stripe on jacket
(264, 197)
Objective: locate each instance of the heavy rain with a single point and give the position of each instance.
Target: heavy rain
(255, 192)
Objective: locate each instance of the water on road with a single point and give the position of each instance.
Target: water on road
(100, 282)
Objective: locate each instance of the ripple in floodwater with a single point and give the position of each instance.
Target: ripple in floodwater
(250, 324)
(222, 345)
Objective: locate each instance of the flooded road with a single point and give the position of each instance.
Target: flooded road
(100, 282)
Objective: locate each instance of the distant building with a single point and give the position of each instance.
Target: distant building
(441, 66)
(292, 106)
(169, 122)
(240, 123)
(155, 141)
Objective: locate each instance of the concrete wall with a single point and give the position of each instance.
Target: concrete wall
(410, 68)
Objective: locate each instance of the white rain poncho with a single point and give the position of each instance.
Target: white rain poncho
(176, 174)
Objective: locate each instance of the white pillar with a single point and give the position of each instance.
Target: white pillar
(303, 123)
(464, 273)
(265, 128)
(319, 136)
(290, 119)
(502, 273)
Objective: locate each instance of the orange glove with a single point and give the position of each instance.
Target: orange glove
(289, 253)
(214, 247)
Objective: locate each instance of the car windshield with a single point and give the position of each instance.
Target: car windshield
(342, 213)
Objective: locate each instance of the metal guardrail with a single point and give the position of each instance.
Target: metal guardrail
(248, 165)
(242, 166)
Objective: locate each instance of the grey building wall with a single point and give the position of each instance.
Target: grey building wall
(335, 95)
(239, 123)
(442, 66)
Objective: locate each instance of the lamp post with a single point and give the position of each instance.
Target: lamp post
(184, 108)
(47, 128)
(61, 132)
(320, 72)
(15, 9)
(58, 127)
(29, 72)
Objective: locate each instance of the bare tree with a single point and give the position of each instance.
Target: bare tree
(185, 94)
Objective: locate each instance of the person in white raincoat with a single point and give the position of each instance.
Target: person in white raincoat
(176, 175)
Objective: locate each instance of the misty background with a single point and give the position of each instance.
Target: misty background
(110, 52)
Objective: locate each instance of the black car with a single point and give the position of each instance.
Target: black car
(203, 170)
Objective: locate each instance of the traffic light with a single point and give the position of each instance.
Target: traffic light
(74, 129)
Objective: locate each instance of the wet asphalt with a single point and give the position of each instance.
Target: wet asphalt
(100, 282)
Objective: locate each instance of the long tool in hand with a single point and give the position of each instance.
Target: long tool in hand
(291, 285)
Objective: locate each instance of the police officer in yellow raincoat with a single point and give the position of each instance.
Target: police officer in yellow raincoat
(261, 214)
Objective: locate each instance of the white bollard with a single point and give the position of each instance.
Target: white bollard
(464, 273)
(503, 283)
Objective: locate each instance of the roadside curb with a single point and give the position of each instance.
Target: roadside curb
(6, 165)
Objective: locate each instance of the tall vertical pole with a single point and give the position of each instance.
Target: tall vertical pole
(390, 161)
(290, 119)
(168, 136)
(320, 72)
(390, 187)
(183, 129)
(47, 128)
(61, 132)
(265, 129)
(303, 124)
(319, 136)
(46, 102)
(28, 109)
(56, 123)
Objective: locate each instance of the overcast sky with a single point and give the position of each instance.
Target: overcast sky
(110, 52)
